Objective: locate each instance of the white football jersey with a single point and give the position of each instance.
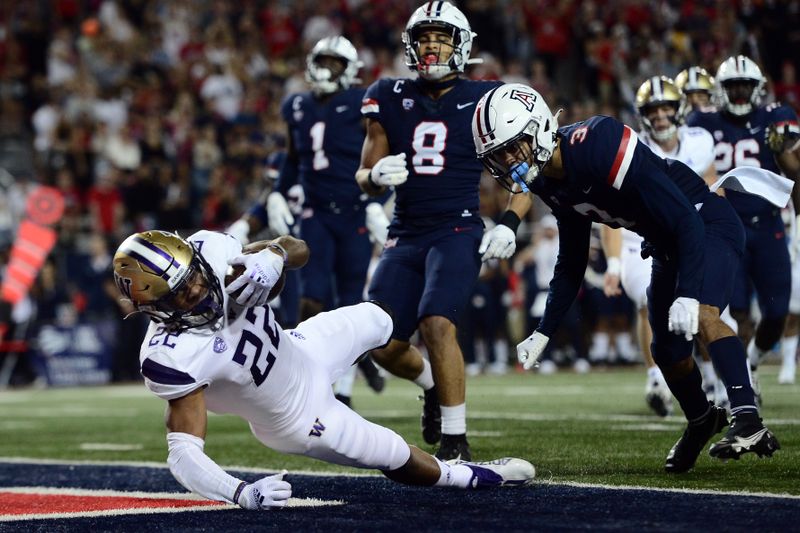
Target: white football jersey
(280, 382)
(243, 366)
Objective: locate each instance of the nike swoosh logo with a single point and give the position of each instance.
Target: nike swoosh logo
(587, 189)
(341, 108)
(753, 131)
(462, 106)
(744, 443)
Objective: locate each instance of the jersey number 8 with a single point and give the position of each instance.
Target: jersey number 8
(430, 140)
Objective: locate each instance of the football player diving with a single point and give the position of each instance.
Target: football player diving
(209, 348)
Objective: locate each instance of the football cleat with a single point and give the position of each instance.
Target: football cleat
(431, 419)
(683, 455)
(658, 397)
(454, 448)
(375, 380)
(508, 471)
(746, 434)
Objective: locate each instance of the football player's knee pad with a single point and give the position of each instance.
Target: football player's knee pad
(672, 352)
(388, 311)
(769, 332)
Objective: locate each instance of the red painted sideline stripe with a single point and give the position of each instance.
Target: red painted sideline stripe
(13, 503)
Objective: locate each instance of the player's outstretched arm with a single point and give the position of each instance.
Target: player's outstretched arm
(186, 425)
(500, 242)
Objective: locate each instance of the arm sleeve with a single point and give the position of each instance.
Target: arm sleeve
(196, 471)
(573, 255)
(670, 208)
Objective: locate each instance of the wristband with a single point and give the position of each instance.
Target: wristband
(280, 249)
(238, 492)
(613, 266)
(510, 219)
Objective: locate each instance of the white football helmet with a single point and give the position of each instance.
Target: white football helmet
(515, 134)
(446, 17)
(321, 79)
(739, 85)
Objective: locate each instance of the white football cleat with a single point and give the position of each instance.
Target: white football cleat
(508, 471)
(658, 396)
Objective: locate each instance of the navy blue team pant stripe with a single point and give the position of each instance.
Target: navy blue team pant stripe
(165, 375)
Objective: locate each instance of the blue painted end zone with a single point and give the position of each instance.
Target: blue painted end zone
(376, 504)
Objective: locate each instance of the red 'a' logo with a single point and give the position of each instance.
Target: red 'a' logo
(527, 99)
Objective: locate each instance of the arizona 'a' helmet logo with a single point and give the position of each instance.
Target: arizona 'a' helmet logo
(527, 99)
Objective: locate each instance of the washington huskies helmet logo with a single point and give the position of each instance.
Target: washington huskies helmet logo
(527, 99)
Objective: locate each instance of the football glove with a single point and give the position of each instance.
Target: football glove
(390, 170)
(611, 279)
(280, 216)
(684, 316)
(261, 273)
(782, 137)
(266, 493)
(377, 223)
(530, 350)
(498, 243)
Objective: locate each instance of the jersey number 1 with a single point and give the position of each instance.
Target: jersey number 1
(320, 161)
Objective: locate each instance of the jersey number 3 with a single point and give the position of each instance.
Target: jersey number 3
(430, 140)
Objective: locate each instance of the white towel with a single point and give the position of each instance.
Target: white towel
(758, 181)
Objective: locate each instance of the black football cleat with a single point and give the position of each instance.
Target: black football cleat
(375, 380)
(454, 448)
(431, 419)
(747, 434)
(683, 455)
(344, 399)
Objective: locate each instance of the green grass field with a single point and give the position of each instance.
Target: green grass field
(592, 428)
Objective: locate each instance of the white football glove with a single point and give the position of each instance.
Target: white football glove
(261, 273)
(266, 493)
(377, 223)
(684, 317)
(530, 350)
(390, 170)
(280, 216)
(498, 243)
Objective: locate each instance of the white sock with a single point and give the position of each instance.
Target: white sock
(654, 374)
(454, 419)
(453, 475)
(425, 378)
(707, 370)
(344, 385)
(789, 350)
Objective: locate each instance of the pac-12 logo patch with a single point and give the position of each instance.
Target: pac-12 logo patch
(219, 345)
(527, 99)
(408, 104)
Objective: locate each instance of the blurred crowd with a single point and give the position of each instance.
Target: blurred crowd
(164, 114)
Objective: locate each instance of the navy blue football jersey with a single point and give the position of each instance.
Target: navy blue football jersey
(436, 136)
(744, 145)
(327, 136)
(612, 178)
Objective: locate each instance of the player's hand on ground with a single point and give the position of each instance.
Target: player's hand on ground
(530, 350)
(684, 317)
(377, 223)
(498, 243)
(279, 214)
(261, 273)
(266, 493)
(390, 170)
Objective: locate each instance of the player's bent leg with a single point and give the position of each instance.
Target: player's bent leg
(399, 358)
